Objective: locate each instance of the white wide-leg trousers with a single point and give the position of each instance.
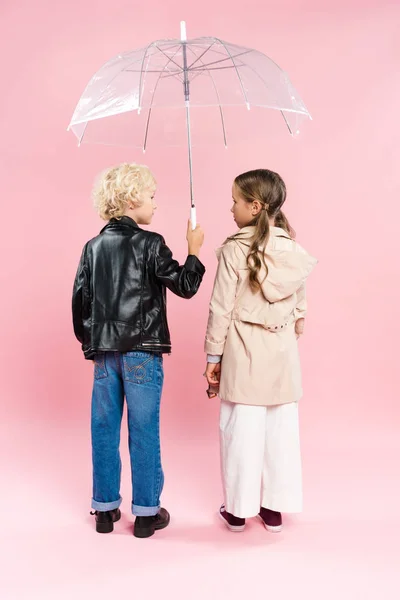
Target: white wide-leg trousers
(260, 458)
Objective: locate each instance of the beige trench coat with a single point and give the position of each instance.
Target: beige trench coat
(255, 331)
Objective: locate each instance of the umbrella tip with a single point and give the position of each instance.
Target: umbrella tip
(183, 31)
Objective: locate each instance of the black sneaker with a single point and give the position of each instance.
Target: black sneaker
(105, 519)
(146, 526)
(272, 520)
(233, 523)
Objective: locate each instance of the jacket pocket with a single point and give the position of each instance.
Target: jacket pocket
(138, 367)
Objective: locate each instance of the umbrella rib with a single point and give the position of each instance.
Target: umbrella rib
(237, 71)
(145, 49)
(115, 76)
(83, 133)
(196, 70)
(266, 85)
(152, 98)
(217, 51)
(108, 85)
(200, 69)
(171, 74)
(215, 62)
(151, 71)
(286, 121)
(102, 91)
(201, 55)
(218, 98)
(169, 58)
(141, 74)
(96, 104)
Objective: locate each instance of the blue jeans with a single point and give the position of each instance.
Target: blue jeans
(139, 377)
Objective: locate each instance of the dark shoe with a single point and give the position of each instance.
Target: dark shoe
(233, 523)
(272, 520)
(105, 519)
(146, 526)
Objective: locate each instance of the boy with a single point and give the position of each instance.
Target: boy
(119, 316)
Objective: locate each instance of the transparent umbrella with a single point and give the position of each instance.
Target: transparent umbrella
(148, 90)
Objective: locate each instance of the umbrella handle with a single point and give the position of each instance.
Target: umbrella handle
(193, 218)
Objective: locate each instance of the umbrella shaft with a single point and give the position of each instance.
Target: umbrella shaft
(185, 73)
(186, 91)
(189, 136)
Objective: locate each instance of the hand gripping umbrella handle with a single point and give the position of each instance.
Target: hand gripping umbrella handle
(193, 218)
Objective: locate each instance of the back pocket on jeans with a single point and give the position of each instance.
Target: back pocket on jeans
(138, 367)
(100, 368)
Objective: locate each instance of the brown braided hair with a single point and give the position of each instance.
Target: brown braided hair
(270, 190)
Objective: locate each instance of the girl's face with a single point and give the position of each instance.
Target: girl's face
(143, 215)
(243, 212)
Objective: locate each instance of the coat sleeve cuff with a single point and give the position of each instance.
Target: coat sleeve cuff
(194, 264)
(213, 348)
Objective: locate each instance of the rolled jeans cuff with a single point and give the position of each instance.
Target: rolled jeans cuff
(103, 506)
(145, 511)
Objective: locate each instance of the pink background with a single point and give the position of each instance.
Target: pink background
(344, 203)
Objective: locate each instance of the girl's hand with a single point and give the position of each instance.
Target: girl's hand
(299, 327)
(213, 374)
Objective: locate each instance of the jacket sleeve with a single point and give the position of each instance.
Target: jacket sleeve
(78, 296)
(184, 281)
(301, 303)
(222, 303)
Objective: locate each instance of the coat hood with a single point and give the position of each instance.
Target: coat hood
(288, 263)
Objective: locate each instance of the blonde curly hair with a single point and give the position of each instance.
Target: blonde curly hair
(118, 186)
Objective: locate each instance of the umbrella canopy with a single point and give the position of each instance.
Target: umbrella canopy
(136, 88)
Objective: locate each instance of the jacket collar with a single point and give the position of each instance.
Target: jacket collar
(125, 221)
(245, 235)
(248, 232)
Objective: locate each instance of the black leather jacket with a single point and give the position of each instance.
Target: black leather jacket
(119, 297)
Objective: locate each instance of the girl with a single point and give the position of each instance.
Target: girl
(256, 315)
